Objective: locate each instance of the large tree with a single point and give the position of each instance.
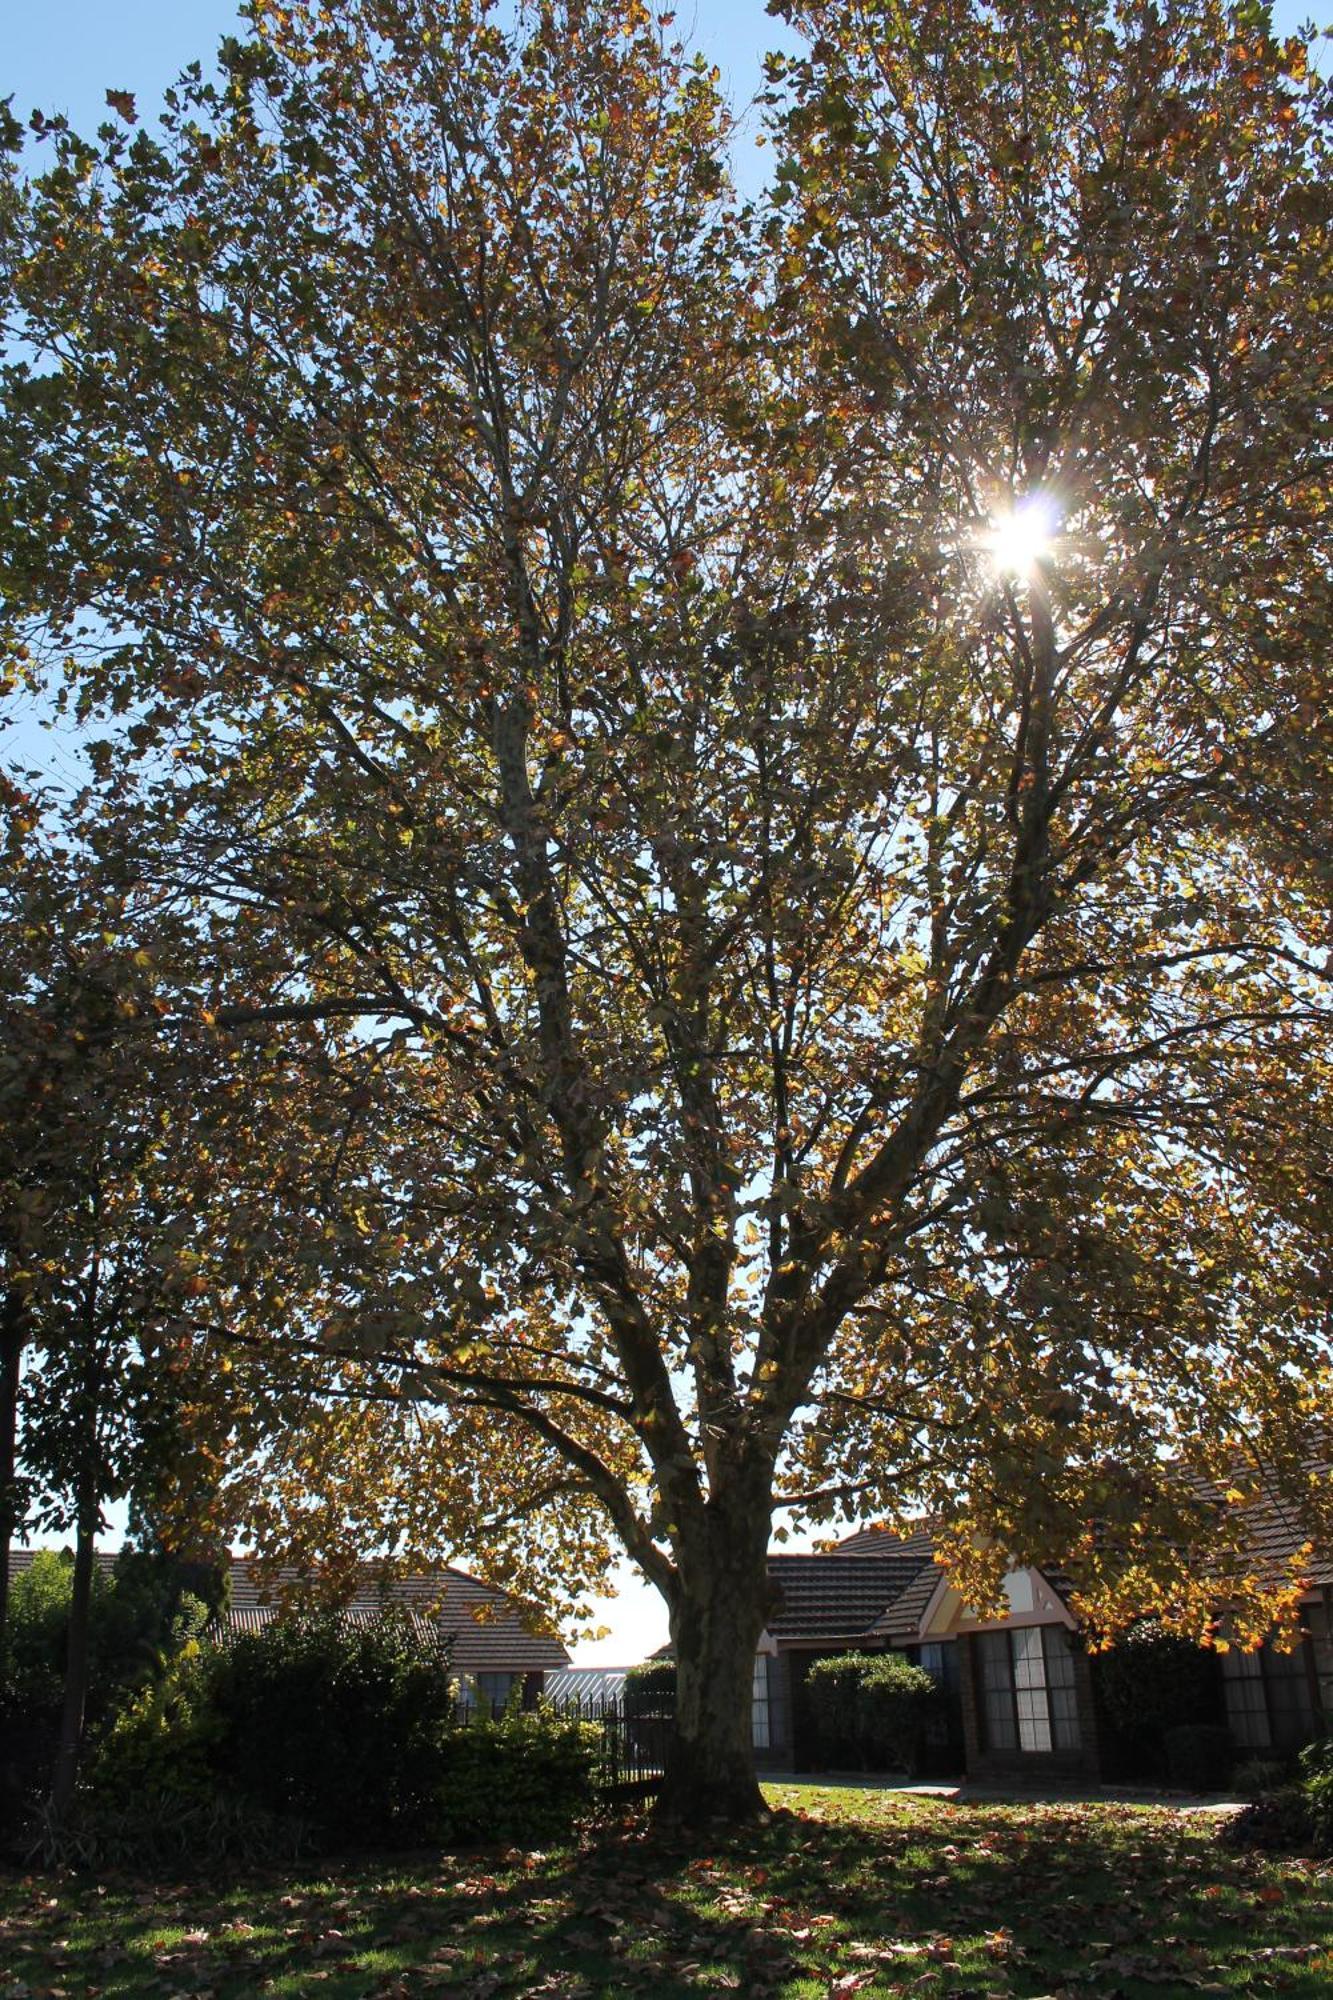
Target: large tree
(772, 723)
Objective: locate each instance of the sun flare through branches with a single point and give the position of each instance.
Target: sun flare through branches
(1018, 541)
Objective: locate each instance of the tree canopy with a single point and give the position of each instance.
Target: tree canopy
(791, 740)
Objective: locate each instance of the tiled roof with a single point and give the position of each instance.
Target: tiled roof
(841, 1596)
(878, 1541)
(1275, 1533)
(902, 1619)
(485, 1627)
(253, 1618)
(21, 1559)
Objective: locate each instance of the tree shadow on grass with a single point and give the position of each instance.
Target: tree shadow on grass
(901, 1895)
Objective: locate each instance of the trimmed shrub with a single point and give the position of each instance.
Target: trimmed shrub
(870, 1708)
(338, 1726)
(833, 1686)
(895, 1700)
(1198, 1756)
(520, 1777)
(650, 1690)
(1149, 1682)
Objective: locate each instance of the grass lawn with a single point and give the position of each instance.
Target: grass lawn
(845, 1892)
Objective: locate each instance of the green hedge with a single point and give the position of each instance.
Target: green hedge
(650, 1690)
(312, 1736)
(520, 1778)
(870, 1709)
(340, 1727)
(1150, 1682)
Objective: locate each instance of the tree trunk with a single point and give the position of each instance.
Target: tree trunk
(76, 1659)
(715, 1630)
(12, 1317)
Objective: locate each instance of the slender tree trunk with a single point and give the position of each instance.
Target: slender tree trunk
(13, 1317)
(715, 1631)
(76, 1660)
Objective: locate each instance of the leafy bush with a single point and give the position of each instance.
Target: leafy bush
(870, 1708)
(520, 1777)
(1316, 1787)
(650, 1690)
(1198, 1756)
(141, 1613)
(313, 1734)
(163, 1830)
(1317, 1792)
(1296, 1817)
(1149, 1682)
(894, 1702)
(1316, 1759)
(163, 1742)
(336, 1725)
(1279, 1821)
(1258, 1775)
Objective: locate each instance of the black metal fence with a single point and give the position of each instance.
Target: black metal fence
(632, 1747)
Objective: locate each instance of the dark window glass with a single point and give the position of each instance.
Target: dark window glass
(1291, 1715)
(997, 1691)
(1062, 1689)
(493, 1691)
(1029, 1700)
(759, 1711)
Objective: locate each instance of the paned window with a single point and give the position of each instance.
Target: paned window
(759, 1723)
(1269, 1696)
(493, 1691)
(940, 1660)
(1029, 1701)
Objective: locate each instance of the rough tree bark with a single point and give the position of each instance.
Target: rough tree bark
(720, 1607)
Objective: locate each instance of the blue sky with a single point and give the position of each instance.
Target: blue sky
(63, 56)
